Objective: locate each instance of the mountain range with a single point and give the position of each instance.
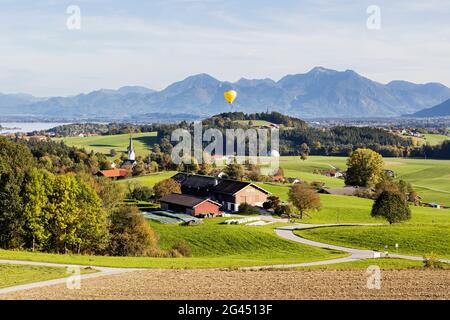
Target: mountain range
(318, 93)
(441, 110)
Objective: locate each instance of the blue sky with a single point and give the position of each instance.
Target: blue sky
(154, 43)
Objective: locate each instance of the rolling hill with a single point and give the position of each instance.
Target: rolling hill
(441, 110)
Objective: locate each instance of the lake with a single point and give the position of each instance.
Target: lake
(13, 127)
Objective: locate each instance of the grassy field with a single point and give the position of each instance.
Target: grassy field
(427, 232)
(103, 144)
(149, 180)
(431, 178)
(12, 275)
(433, 139)
(382, 263)
(213, 245)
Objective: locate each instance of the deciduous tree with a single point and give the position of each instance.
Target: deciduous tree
(304, 198)
(391, 206)
(365, 168)
(166, 187)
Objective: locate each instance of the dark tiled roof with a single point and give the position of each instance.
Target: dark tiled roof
(195, 181)
(225, 186)
(230, 186)
(184, 200)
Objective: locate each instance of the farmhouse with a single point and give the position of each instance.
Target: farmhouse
(333, 173)
(189, 204)
(229, 193)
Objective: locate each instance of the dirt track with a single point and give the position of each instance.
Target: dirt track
(215, 284)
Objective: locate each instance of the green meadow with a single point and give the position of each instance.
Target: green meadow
(431, 178)
(103, 144)
(214, 245)
(432, 139)
(427, 232)
(13, 275)
(148, 180)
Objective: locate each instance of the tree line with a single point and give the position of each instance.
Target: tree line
(60, 207)
(294, 132)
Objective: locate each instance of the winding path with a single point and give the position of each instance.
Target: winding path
(354, 254)
(101, 271)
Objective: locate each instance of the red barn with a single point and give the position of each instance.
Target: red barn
(113, 173)
(189, 204)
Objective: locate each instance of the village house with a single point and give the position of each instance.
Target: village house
(228, 193)
(333, 173)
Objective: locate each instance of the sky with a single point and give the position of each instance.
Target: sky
(154, 43)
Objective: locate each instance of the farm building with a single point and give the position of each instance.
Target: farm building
(189, 204)
(113, 173)
(229, 193)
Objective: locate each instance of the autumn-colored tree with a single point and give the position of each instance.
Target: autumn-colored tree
(272, 202)
(139, 168)
(165, 187)
(234, 170)
(110, 192)
(304, 151)
(304, 198)
(130, 234)
(365, 168)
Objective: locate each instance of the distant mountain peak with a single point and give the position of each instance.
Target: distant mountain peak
(322, 70)
(440, 110)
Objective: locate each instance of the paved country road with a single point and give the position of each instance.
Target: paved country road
(101, 271)
(354, 254)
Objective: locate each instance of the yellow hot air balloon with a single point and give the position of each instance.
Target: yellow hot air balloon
(230, 95)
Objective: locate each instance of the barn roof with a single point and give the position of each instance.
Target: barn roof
(112, 173)
(225, 186)
(195, 181)
(185, 200)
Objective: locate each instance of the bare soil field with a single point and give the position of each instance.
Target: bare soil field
(218, 284)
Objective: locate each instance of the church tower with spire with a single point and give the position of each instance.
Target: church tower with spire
(130, 149)
(131, 159)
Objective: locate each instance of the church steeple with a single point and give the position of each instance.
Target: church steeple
(131, 154)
